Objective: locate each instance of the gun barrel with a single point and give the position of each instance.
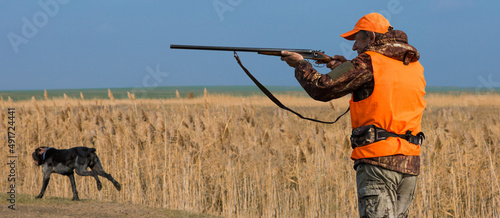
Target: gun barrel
(243, 49)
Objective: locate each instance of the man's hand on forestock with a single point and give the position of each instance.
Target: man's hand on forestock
(291, 58)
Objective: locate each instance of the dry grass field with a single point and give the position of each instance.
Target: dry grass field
(243, 156)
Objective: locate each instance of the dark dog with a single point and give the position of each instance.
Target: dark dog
(66, 161)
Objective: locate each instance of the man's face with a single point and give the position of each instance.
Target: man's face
(361, 42)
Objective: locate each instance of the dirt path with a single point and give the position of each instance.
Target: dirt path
(86, 208)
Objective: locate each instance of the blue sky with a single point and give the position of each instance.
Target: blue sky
(65, 44)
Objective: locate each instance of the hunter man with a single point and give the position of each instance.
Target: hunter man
(387, 85)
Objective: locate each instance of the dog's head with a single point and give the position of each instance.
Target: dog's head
(38, 155)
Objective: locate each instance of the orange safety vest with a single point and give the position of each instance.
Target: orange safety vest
(395, 105)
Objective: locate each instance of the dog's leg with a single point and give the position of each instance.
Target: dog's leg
(73, 187)
(81, 169)
(46, 179)
(109, 177)
(97, 167)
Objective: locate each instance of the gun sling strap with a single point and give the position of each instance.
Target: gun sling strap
(275, 100)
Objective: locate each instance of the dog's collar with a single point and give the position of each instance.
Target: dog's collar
(43, 157)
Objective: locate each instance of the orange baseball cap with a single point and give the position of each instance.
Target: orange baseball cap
(374, 22)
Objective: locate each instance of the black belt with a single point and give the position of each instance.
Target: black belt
(369, 134)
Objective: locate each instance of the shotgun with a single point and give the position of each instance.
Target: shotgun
(316, 55)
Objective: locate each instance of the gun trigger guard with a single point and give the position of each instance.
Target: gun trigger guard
(319, 65)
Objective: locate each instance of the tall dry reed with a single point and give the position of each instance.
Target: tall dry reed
(245, 157)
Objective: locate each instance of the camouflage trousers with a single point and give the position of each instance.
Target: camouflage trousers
(383, 192)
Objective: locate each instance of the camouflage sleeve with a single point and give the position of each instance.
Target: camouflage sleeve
(322, 87)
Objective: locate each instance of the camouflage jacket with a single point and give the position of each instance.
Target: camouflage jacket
(357, 79)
